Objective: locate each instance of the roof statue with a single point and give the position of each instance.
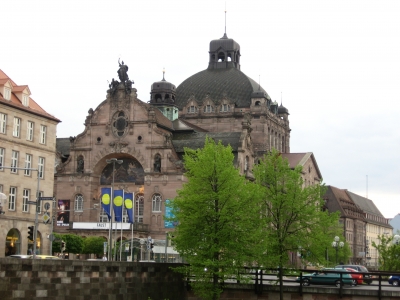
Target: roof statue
(123, 72)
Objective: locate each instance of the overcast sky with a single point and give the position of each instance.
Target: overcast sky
(335, 63)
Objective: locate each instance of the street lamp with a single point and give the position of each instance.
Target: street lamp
(112, 161)
(337, 244)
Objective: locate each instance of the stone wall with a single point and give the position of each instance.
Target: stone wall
(85, 280)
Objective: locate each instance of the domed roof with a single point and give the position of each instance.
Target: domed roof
(162, 85)
(222, 79)
(282, 110)
(218, 84)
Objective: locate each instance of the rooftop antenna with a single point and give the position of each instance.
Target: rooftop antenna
(259, 87)
(163, 72)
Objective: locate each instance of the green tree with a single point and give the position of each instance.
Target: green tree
(389, 253)
(215, 210)
(93, 245)
(293, 215)
(73, 243)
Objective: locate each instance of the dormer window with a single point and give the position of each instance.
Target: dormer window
(192, 109)
(7, 93)
(208, 109)
(225, 108)
(25, 100)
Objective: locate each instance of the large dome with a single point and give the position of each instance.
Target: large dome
(222, 79)
(230, 83)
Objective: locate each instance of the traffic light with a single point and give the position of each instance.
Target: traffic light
(152, 245)
(30, 232)
(63, 245)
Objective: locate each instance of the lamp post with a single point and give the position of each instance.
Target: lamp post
(112, 161)
(337, 244)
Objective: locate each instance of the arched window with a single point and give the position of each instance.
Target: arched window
(156, 203)
(139, 208)
(225, 108)
(78, 203)
(13, 242)
(192, 109)
(208, 109)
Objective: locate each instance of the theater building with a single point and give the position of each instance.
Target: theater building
(149, 137)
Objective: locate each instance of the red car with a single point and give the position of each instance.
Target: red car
(357, 278)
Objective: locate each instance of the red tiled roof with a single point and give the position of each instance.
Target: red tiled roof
(15, 102)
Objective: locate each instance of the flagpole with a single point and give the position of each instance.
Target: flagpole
(111, 222)
(132, 221)
(122, 216)
(112, 161)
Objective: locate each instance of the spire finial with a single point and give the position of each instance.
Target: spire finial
(163, 72)
(259, 86)
(225, 17)
(281, 98)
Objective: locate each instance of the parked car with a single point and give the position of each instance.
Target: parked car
(46, 257)
(326, 276)
(366, 277)
(20, 256)
(394, 280)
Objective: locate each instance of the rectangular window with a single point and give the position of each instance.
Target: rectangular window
(41, 167)
(28, 165)
(139, 208)
(7, 93)
(43, 130)
(25, 100)
(14, 161)
(124, 215)
(25, 199)
(103, 216)
(29, 131)
(12, 197)
(3, 123)
(2, 154)
(17, 127)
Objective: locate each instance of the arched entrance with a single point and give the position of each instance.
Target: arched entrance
(13, 242)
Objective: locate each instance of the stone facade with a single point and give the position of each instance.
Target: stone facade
(27, 140)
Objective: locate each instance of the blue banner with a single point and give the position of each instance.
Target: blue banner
(117, 204)
(130, 206)
(106, 201)
(168, 214)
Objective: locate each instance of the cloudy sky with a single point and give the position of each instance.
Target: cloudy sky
(334, 64)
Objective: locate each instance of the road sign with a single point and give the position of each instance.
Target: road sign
(32, 202)
(46, 206)
(45, 198)
(46, 217)
(51, 237)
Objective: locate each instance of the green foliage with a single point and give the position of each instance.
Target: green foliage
(216, 210)
(73, 242)
(389, 253)
(93, 245)
(292, 215)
